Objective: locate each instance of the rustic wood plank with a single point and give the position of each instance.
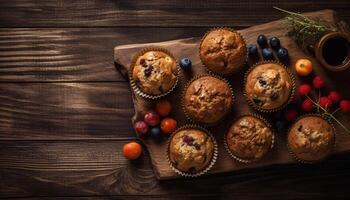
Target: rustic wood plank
(97, 168)
(104, 13)
(71, 54)
(188, 47)
(62, 111)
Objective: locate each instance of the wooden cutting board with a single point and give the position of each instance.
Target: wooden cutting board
(189, 48)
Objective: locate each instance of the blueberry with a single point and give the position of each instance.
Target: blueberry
(185, 64)
(155, 132)
(267, 54)
(282, 54)
(275, 43)
(252, 50)
(262, 41)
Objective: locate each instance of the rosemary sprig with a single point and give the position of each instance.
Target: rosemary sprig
(304, 29)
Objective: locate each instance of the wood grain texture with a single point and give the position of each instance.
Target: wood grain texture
(51, 111)
(104, 13)
(279, 155)
(97, 169)
(71, 54)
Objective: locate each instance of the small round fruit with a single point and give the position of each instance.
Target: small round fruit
(262, 41)
(303, 67)
(334, 96)
(282, 54)
(304, 89)
(267, 54)
(325, 102)
(291, 115)
(163, 107)
(155, 132)
(345, 105)
(152, 118)
(307, 105)
(168, 125)
(132, 150)
(253, 51)
(141, 128)
(318, 82)
(185, 64)
(275, 43)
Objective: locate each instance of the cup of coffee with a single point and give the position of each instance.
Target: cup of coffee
(333, 51)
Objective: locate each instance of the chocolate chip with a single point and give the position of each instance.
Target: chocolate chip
(274, 96)
(148, 70)
(197, 146)
(225, 63)
(300, 127)
(143, 62)
(262, 82)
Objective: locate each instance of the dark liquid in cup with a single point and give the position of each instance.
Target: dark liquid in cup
(336, 51)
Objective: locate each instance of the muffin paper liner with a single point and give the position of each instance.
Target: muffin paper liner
(229, 29)
(133, 83)
(213, 159)
(244, 160)
(184, 93)
(252, 104)
(310, 115)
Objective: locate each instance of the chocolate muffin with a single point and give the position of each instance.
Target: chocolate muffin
(269, 86)
(249, 138)
(311, 138)
(191, 150)
(207, 99)
(223, 51)
(155, 72)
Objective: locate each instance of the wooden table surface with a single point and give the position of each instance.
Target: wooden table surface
(65, 110)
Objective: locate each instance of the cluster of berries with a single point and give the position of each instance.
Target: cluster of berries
(153, 125)
(303, 102)
(267, 48)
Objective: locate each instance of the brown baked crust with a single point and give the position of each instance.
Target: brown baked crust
(249, 138)
(223, 51)
(269, 86)
(311, 138)
(191, 150)
(208, 99)
(155, 72)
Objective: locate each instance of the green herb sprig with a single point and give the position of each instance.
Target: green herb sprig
(305, 30)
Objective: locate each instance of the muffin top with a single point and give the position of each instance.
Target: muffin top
(191, 150)
(155, 72)
(311, 138)
(249, 138)
(223, 51)
(269, 86)
(207, 99)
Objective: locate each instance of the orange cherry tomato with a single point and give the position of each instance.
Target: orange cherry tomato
(303, 67)
(168, 125)
(163, 107)
(132, 150)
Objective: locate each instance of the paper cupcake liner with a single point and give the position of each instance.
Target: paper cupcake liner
(184, 93)
(252, 104)
(308, 115)
(213, 159)
(234, 157)
(229, 29)
(133, 83)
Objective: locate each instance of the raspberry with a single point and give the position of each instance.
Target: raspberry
(345, 105)
(291, 115)
(318, 82)
(325, 102)
(304, 89)
(334, 96)
(307, 105)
